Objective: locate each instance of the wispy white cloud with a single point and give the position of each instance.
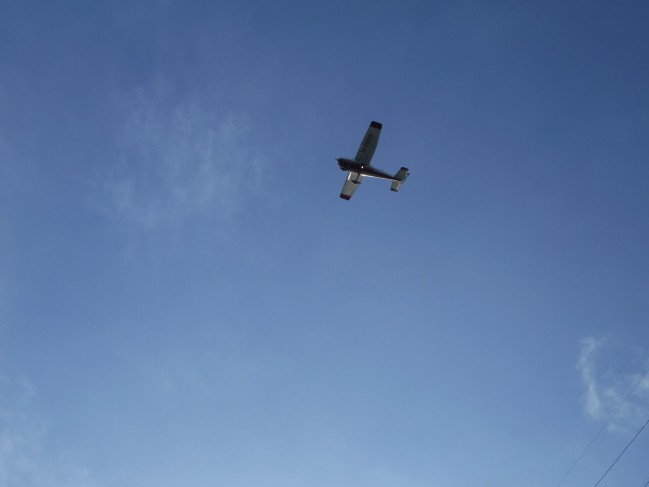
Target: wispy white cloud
(181, 157)
(607, 387)
(25, 459)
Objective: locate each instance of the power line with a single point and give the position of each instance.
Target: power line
(565, 475)
(620, 455)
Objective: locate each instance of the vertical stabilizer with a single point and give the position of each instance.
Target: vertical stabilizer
(399, 178)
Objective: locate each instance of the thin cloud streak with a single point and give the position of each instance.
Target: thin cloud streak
(586, 365)
(180, 159)
(25, 460)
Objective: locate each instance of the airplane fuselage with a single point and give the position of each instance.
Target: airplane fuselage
(364, 169)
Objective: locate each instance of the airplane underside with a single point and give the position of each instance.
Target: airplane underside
(359, 167)
(365, 170)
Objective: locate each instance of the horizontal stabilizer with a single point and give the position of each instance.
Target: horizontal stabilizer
(399, 178)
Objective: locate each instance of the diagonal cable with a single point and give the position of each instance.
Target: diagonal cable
(620, 455)
(635, 386)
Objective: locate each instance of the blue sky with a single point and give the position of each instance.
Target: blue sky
(185, 300)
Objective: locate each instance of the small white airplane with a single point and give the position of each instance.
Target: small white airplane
(359, 167)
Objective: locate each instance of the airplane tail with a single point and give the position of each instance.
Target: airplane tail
(399, 178)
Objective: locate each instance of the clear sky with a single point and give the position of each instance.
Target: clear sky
(186, 301)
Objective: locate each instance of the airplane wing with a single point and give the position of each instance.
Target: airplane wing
(352, 182)
(368, 146)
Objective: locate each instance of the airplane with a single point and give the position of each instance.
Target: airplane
(360, 167)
